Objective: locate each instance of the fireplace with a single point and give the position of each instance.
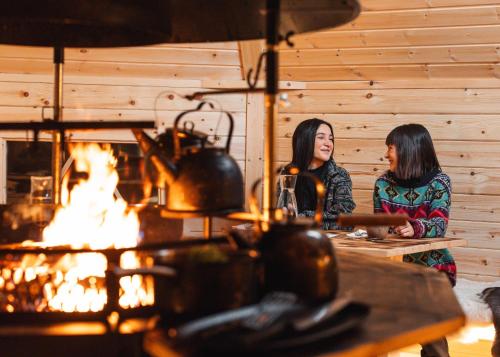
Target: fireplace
(83, 287)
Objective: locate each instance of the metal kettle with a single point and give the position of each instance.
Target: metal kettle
(297, 256)
(201, 180)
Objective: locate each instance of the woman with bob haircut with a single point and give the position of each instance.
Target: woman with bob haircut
(312, 145)
(416, 186)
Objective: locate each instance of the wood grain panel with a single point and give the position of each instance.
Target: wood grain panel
(204, 121)
(457, 35)
(255, 143)
(402, 83)
(249, 55)
(371, 5)
(250, 52)
(146, 54)
(487, 344)
(391, 72)
(477, 261)
(368, 151)
(78, 79)
(479, 234)
(477, 181)
(472, 181)
(470, 208)
(431, 17)
(402, 101)
(121, 69)
(204, 45)
(123, 97)
(377, 126)
(141, 81)
(400, 55)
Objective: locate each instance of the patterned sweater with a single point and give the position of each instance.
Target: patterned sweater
(427, 203)
(338, 196)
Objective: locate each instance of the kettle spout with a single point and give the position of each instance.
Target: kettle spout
(149, 147)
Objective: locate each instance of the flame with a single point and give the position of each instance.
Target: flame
(89, 217)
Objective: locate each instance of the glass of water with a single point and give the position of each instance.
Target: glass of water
(41, 189)
(287, 199)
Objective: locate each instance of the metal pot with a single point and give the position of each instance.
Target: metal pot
(201, 180)
(201, 280)
(297, 256)
(208, 282)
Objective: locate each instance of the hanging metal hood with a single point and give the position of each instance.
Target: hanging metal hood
(114, 23)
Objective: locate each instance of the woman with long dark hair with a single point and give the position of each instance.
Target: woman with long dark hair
(312, 146)
(416, 185)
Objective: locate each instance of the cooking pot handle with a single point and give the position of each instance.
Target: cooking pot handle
(154, 270)
(254, 206)
(230, 134)
(177, 141)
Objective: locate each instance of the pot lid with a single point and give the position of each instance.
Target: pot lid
(113, 23)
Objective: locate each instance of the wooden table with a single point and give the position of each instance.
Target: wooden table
(409, 304)
(392, 248)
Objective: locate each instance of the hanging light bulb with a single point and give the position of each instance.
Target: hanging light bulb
(283, 100)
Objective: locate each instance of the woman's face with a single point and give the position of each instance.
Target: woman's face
(392, 157)
(323, 146)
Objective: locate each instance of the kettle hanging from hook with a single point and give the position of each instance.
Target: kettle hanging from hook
(202, 180)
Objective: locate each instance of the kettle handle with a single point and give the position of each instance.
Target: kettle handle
(254, 206)
(320, 192)
(177, 141)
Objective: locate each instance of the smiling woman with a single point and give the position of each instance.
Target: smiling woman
(313, 146)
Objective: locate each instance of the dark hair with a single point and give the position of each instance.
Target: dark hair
(414, 150)
(303, 140)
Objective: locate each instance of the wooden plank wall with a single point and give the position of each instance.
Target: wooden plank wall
(124, 84)
(428, 61)
(431, 62)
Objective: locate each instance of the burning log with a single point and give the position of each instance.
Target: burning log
(89, 218)
(57, 282)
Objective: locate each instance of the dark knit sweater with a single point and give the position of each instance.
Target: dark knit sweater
(427, 203)
(338, 195)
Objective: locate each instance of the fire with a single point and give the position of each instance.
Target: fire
(89, 217)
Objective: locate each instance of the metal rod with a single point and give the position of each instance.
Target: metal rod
(200, 95)
(56, 135)
(207, 227)
(270, 101)
(19, 249)
(162, 196)
(112, 284)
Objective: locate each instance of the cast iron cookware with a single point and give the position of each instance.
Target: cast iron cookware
(201, 180)
(297, 256)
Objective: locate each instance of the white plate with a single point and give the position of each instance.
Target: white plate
(360, 233)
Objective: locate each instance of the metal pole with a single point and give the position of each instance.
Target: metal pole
(56, 135)
(270, 101)
(207, 227)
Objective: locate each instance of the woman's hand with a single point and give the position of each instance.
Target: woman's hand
(405, 231)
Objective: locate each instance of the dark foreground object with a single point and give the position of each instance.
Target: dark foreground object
(408, 304)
